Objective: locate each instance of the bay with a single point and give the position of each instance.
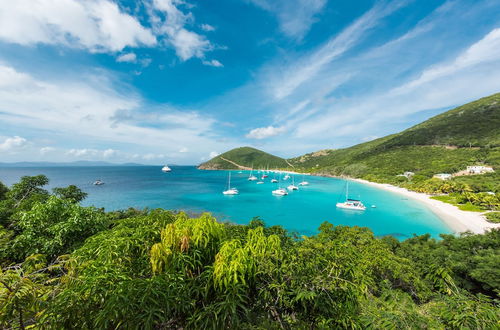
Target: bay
(195, 191)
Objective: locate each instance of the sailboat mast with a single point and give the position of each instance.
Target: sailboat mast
(229, 181)
(347, 192)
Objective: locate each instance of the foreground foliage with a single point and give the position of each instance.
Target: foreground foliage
(78, 267)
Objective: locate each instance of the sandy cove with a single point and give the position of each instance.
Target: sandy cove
(458, 220)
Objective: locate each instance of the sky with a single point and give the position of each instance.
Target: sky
(180, 81)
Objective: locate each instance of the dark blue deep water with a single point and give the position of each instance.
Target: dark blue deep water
(192, 190)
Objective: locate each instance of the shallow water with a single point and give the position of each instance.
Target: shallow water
(186, 188)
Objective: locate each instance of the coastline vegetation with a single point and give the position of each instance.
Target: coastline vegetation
(68, 266)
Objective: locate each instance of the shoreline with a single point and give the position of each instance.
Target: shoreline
(457, 220)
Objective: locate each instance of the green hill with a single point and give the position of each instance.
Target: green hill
(467, 135)
(244, 157)
(476, 124)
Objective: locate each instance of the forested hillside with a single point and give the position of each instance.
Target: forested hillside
(467, 135)
(68, 266)
(246, 157)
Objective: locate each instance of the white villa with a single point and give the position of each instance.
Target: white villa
(478, 169)
(407, 175)
(442, 176)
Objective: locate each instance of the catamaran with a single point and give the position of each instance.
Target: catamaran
(273, 180)
(293, 186)
(304, 182)
(252, 177)
(230, 191)
(166, 169)
(351, 204)
(280, 191)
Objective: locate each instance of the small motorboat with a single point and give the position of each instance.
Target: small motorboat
(274, 181)
(98, 183)
(166, 169)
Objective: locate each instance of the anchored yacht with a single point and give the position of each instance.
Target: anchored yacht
(351, 204)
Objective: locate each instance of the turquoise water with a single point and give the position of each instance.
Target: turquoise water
(186, 188)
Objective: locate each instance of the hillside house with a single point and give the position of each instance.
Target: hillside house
(442, 176)
(479, 169)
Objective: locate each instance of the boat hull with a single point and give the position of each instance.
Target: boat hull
(351, 207)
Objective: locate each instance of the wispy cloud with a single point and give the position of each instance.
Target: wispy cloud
(484, 51)
(295, 17)
(207, 27)
(214, 63)
(469, 75)
(309, 66)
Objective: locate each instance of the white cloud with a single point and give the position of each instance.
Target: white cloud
(13, 144)
(90, 109)
(295, 17)
(183, 149)
(108, 153)
(207, 27)
(265, 132)
(82, 152)
(214, 63)
(127, 57)
(213, 154)
(97, 25)
(169, 21)
(46, 150)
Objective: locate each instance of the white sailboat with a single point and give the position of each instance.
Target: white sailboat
(280, 191)
(252, 177)
(293, 186)
(230, 191)
(166, 169)
(304, 182)
(273, 180)
(351, 204)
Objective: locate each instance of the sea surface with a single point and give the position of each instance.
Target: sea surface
(187, 188)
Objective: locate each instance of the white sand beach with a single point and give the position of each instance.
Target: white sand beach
(458, 220)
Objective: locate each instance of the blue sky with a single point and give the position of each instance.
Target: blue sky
(179, 81)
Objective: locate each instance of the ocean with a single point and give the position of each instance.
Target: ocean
(195, 191)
